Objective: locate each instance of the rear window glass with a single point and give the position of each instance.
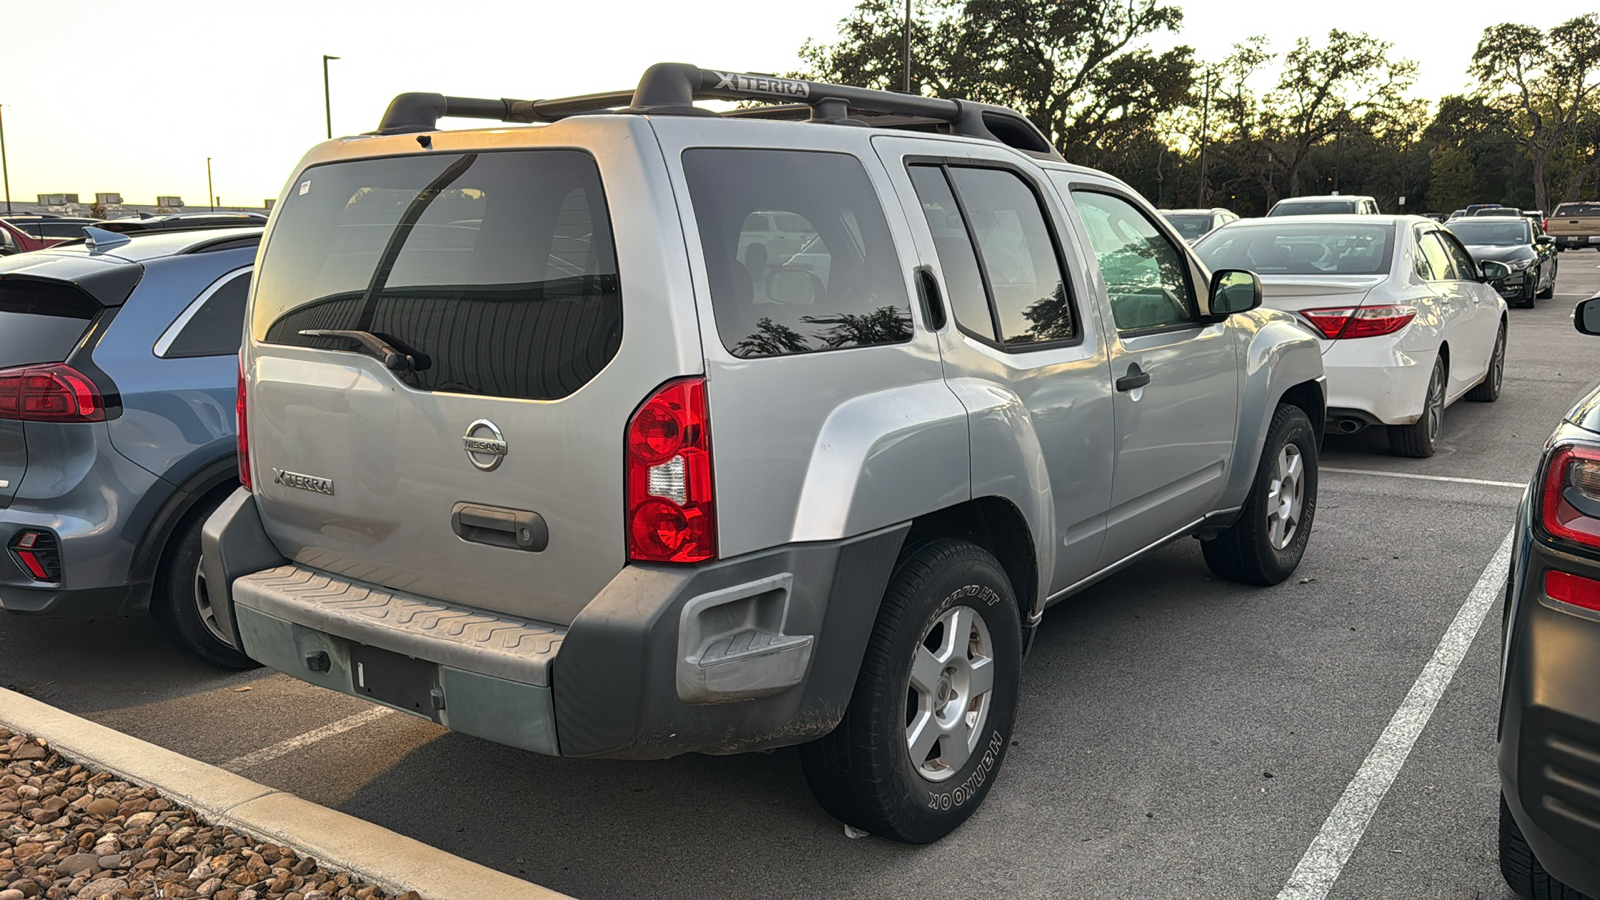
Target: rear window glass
(1313, 208)
(41, 322)
(498, 267)
(1282, 249)
(1189, 227)
(797, 251)
(1578, 209)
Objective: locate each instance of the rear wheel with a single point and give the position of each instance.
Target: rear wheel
(1521, 869)
(1550, 291)
(1421, 438)
(931, 716)
(180, 603)
(1488, 390)
(1266, 543)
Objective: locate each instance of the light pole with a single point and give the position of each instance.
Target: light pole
(4, 173)
(327, 98)
(1205, 113)
(210, 197)
(908, 47)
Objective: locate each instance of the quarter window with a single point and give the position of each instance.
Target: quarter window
(1147, 278)
(1466, 269)
(216, 327)
(797, 252)
(1435, 257)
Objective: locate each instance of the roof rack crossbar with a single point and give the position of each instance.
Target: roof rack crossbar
(672, 88)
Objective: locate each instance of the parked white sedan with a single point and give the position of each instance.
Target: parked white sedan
(1407, 322)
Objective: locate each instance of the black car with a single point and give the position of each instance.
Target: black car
(1550, 684)
(51, 227)
(1512, 241)
(183, 220)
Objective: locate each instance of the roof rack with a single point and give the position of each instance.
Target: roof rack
(672, 88)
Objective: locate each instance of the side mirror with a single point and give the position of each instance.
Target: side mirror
(1494, 271)
(1586, 317)
(1234, 291)
(1544, 239)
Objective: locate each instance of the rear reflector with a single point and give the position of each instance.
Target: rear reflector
(1346, 322)
(1573, 589)
(57, 393)
(39, 554)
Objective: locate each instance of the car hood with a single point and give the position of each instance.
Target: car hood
(1586, 412)
(1500, 252)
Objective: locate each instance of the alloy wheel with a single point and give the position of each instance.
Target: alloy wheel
(202, 604)
(1285, 497)
(1435, 410)
(948, 699)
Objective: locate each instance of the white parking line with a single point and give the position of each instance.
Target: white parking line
(285, 747)
(1505, 484)
(1325, 859)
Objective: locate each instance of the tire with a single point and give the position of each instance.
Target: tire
(863, 773)
(1488, 390)
(178, 602)
(1266, 543)
(1550, 291)
(1421, 438)
(1521, 869)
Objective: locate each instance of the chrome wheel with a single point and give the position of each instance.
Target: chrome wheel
(1435, 406)
(1286, 497)
(952, 683)
(202, 605)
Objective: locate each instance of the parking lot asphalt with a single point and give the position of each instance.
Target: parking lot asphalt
(1178, 737)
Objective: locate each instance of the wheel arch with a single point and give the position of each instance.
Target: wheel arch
(216, 477)
(998, 526)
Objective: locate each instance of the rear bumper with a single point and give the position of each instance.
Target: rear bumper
(751, 653)
(1377, 378)
(1570, 241)
(117, 600)
(1550, 719)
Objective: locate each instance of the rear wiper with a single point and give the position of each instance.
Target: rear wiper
(394, 359)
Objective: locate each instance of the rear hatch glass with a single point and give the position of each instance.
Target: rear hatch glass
(40, 322)
(496, 273)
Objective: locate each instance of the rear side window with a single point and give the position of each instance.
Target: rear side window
(797, 251)
(41, 322)
(214, 325)
(498, 267)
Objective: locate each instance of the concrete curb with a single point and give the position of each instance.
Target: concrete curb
(341, 842)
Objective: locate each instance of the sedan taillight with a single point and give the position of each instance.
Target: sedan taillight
(1342, 323)
(1569, 499)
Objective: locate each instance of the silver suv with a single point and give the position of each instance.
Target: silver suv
(544, 440)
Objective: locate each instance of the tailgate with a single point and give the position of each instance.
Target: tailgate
(489, 470)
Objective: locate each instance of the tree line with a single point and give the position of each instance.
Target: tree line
(1325, 114)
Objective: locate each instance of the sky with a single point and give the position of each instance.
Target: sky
(133, 97)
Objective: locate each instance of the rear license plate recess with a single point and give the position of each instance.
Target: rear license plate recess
(394, 679)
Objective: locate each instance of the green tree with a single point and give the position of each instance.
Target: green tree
(1453, 180)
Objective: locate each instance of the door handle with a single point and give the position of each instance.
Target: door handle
(514, 529)
(1134, 380)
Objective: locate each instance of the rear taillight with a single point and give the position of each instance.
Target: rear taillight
(242, 425)
(39, 554)
(1569, 501)
(1573, 589)
(57, 393)
(671, 512)
(1346, 322)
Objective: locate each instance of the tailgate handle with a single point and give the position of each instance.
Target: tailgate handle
(514, 529)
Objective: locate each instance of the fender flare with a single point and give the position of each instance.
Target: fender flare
(152, 545)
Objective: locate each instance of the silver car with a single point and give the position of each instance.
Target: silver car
(536, 445)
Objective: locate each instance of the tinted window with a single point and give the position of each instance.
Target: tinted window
(41, 322)
(1436, 257)
(61, 229)
(1147, 278)
(1466, 269)
(1300, 249)
(1577, 209)
(968, 299)
(1190, 227)
(1505, 232)
(833, 282)
(497, 266)
(1313, 208)
(217, 326)
(1018, 256)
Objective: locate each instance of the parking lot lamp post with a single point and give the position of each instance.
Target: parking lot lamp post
(327, 98)
(210, 197)
(5, 174)
(908, 47)
(1205, 112)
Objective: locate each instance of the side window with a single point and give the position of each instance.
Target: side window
(1466, 269)
(833, 283)
(1147, 278)
(215, 327)
(1436, 257)
(968, 300)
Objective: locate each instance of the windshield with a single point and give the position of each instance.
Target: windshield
(1190, 226)
(1300, 249)
(1578, 209)
(1312, 207)
(1506, 232)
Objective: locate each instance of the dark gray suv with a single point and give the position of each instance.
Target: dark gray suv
(118, 370)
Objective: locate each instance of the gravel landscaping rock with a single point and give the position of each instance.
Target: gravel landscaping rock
(67, 833)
